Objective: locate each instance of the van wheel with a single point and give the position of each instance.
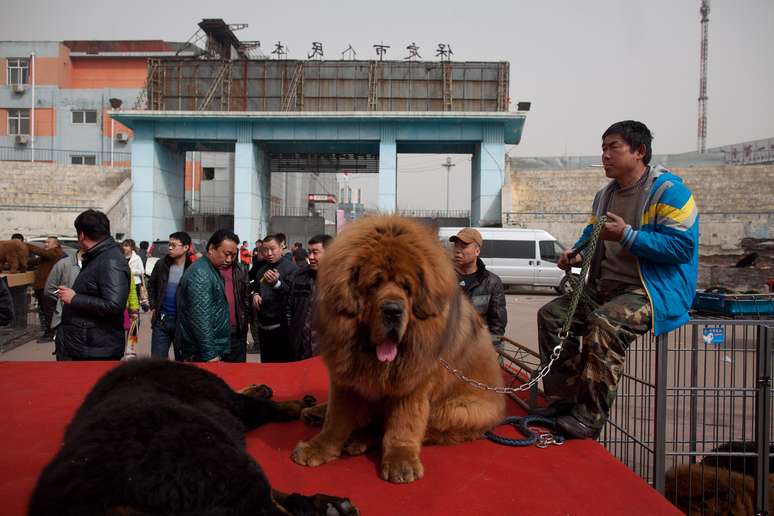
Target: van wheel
(565, 286)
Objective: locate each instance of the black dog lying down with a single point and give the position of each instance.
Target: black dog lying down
(162, 438)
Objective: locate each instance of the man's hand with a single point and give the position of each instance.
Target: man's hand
(257, 300)
(66, 294)
(614, 228)
(566, 263)
(271, 276)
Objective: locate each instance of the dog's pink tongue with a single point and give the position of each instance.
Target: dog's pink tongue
(386, 351)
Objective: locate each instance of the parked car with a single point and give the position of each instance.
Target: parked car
(521, 256)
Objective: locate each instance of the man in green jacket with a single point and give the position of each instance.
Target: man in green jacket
(203, 318)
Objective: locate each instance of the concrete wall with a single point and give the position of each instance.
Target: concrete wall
(43, 198)
(734, 202)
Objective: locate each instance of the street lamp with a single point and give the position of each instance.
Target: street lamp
(115, 104)
(447, 165)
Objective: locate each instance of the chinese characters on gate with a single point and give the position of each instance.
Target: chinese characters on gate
(443, 51)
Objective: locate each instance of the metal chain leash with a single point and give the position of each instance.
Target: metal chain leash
(564, 332)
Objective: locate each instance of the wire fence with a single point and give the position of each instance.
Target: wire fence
(693, 413)
(66, 157)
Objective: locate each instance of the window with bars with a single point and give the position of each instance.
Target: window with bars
(18, 70)
(18, 121)
(83, 159)
(86, 116)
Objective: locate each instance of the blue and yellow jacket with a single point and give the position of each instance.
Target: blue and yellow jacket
(665, 243)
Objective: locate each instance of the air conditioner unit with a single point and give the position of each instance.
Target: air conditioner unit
(22, 139)
(122, 137)
(18, 88)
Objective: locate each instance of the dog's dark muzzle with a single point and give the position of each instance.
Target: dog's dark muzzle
(392, 313)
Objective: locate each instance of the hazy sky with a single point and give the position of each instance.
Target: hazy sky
(582, 64)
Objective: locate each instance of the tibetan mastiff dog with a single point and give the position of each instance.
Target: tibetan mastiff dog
(724, 482)
(388, 311)
(163, 438)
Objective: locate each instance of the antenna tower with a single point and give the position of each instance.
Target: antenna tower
(702, 126)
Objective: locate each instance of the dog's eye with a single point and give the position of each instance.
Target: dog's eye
(406, 287)
(375, 284)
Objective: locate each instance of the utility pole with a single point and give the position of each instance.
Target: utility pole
(447, 165)
(702, 126)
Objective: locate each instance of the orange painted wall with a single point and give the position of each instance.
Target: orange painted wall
(95, 73)
(48, 71)
(45, 122)
(3, 70)
(119, 127)
(189, 183)
(3, 122)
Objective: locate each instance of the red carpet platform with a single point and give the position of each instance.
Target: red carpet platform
(39, 398)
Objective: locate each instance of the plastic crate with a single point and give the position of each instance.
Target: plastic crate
(734, 305)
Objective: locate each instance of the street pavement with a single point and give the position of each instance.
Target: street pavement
(522, 305)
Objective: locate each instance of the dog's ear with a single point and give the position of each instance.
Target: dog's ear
(427, 299)
(346, 298)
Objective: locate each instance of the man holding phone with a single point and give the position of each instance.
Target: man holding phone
(270, 288)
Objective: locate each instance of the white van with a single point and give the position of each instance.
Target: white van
(520, 256)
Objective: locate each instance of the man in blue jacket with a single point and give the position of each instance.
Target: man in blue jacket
(642, 277)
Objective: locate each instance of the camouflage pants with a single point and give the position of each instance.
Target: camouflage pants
(585, 381)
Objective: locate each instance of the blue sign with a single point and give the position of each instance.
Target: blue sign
(714, 335)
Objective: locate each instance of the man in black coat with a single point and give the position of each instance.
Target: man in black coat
(92, 325)
(484, 288)
(270, 290)
(302, 338)
(162, 294)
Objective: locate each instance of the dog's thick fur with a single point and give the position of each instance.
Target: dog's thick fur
(388, 309)
(721, 484)
(702, 489)
(15, 253)
(162, 438)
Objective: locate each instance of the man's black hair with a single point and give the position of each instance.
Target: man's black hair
(298, 245)
(634, 133)
(325, 240)
(94, 224)
(181, 236)
(144, 244)
(220, 235)
(280, 238)
(275, 237)
(17, 236)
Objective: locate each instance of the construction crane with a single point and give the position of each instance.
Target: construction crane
(702, 127)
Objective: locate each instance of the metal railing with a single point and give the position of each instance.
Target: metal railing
(66, 157)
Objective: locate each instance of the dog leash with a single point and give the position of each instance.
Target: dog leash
(522, 425)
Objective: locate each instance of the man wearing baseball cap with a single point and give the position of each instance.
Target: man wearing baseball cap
(484, 288)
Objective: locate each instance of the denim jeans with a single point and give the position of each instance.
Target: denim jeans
(163, 335)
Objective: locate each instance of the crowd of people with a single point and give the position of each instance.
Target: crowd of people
(642, 277)
(200, 306)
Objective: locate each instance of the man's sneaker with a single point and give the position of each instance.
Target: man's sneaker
(574, 429)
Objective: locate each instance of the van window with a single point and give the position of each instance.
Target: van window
(550, 250)
(524, 249)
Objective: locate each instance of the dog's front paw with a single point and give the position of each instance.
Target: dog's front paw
(314, 416)
(402, 466)
(310, 454)
(309, 400)
(258, 391)
(334, 506)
